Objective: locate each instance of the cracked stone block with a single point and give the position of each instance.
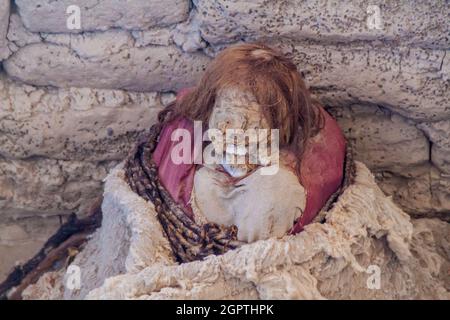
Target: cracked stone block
(51, 16)
(398, 151)
(4, 19)
(187, 35)
(439, 134)
(421, 191)
(408, 81)
(18, 35)
(225, 21)
(107, 60)
(46, 187)
(73, 124)
(156, 36)
(383, 141)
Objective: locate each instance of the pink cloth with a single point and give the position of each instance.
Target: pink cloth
(322, 167)
(178, 179)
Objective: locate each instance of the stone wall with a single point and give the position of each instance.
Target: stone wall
(72, 101)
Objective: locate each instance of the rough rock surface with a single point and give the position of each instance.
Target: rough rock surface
(51, 16)
(382, 140)
(73, 124)
(58, 144)
(46, 187)
(19, 36)
(439, 135)
(225, 21)
(403, 79)
(106, 60)
(4, 15)
(364, 231)
(398, 152)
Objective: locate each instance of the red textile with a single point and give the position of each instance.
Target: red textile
(178, 179)
(321, 168)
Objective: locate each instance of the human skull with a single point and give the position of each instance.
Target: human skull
(236, 110)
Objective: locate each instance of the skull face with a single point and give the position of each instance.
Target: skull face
(236, 110)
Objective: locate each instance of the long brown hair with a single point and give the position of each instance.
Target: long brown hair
(273, 80)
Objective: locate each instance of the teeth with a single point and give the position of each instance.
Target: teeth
(235, 172)
(239, 150)
(230, 158)
(265, 161)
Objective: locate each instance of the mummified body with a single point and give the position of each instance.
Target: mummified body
(246, 87)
